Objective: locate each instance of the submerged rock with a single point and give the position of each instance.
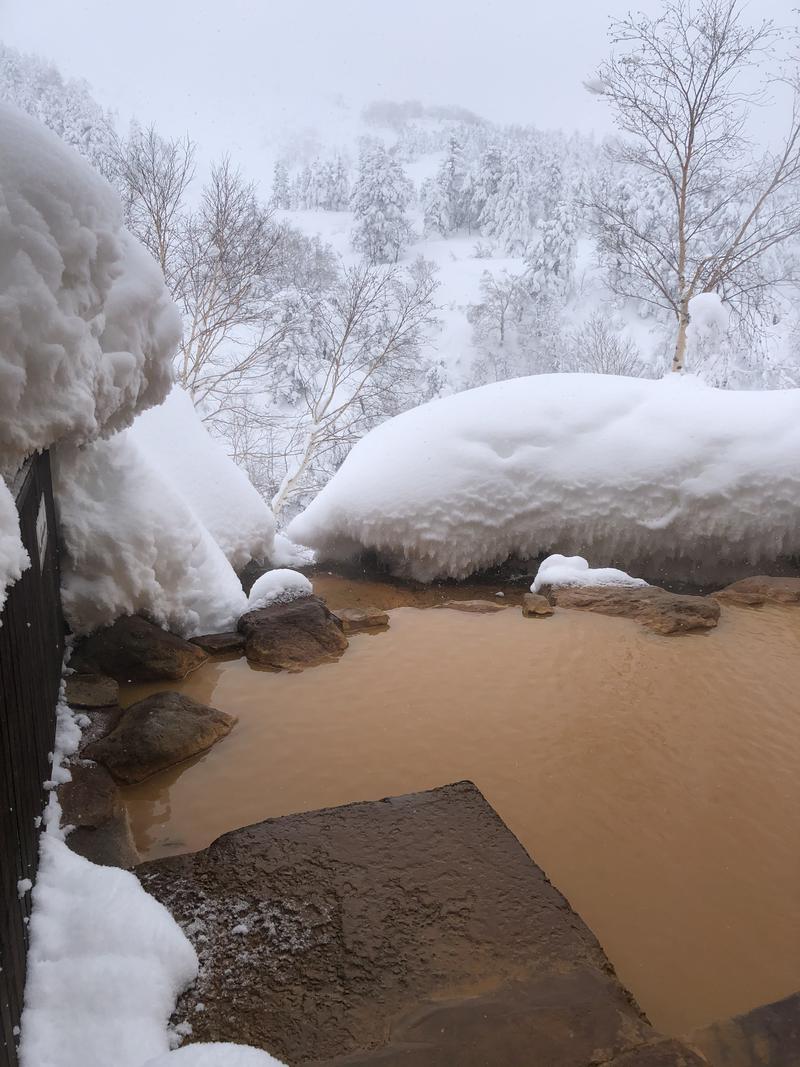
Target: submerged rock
(302, 633)
(135, 650)
(767, 1036)
(219, 644)
(414, 930)
(477, 607)
(91, 803)
(91, 691)
(534, 605)
(653, 607)
(355, 620)
(98, 723)
(158, 732)
(761, 589)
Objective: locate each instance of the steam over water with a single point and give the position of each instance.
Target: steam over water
(654, 779)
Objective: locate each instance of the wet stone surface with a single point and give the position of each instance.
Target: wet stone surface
(220, 644)
(767, 1036)
(158, 732)
(761, 589)
(414, 930)
(654, 608)
(135, 650)
(290, 637)
(91, 691)
(356, 620)
(475, 607)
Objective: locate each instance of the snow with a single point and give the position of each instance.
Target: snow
(287, 554)
(13, 557)
(278, 587)
(707, 312)
(575, 570)
(106, 964)
(670, 473)
(215, 1055)
(176, 442)
(87, 328)
(134, 546)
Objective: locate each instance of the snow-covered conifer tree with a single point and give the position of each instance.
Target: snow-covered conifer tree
(380, 198)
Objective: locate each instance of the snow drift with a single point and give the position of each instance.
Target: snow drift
(661, 476)
(198, 469)
(133, 545)
(87, 328)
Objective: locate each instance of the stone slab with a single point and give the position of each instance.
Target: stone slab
(220, 644)
(414, 930)
(767, 1036)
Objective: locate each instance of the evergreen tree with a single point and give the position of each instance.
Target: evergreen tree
(281, 196)
(551, 257)
(505, 215)
(380, 198)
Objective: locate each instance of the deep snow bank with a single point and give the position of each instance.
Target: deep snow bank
(668, 474)
(134, 545)
(87, 328)
(199, 470)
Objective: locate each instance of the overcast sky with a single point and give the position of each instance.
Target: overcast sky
(237, 74)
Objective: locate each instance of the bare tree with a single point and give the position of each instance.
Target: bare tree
(597, 348)
(228, 290)
(676, 85)
(226, 262)
(153, 175)
(359, 361)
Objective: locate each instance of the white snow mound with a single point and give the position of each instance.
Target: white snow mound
(134, 546)
(215, 1055)
(87, 328)
(105, 966)
(672, 474)
(278, 587)
(575, 570)
(175, 440)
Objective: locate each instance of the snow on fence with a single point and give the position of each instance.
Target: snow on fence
(31, 653)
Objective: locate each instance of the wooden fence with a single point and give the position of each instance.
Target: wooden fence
(31, 652)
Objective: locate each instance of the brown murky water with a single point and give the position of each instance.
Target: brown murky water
(654, 779)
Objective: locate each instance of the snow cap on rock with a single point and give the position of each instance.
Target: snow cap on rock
(278, 587)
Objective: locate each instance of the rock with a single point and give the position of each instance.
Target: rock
(534, 605)
(477, 607)
(91, 803)
(767, 1036)
(302, 633)
(158, 732)
(354, 620)
(91, 691)
(414, 930)
(134, 650)
(653, 607)
(91, 798)
(219, 644)
(110, 845)
(100, 723)
(761, 589)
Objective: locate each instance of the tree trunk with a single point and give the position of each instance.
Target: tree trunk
(680, 344)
